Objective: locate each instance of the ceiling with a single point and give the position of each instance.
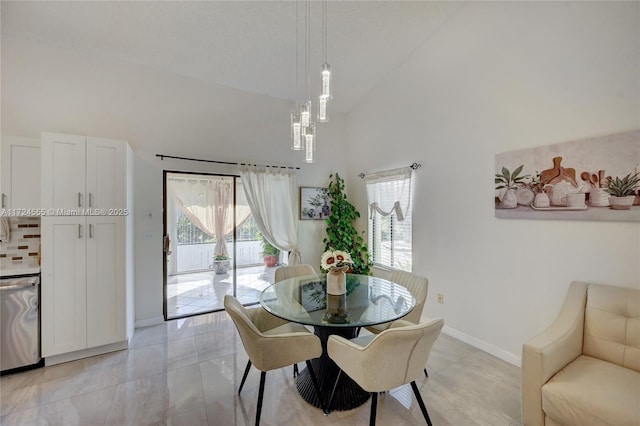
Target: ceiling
(247, 45)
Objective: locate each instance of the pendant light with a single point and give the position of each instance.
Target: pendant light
(325, 83)
(305, 116)
(303, 128)
(310, 143)
(296, 124)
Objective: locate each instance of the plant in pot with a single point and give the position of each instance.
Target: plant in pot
(341, 233)
(622, 191)
(270, 253)
(510, 182)
(221, 263)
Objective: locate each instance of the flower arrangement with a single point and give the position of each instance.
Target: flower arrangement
(334, 259)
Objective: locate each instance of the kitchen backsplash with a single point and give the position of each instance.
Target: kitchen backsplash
(22, 249)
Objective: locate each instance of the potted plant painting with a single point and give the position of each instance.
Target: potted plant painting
(622, 191)
(508, 182)
(270, 253)
(221, 263)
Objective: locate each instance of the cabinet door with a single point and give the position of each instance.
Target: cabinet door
(63, 288)
(20, 173)
(63, 171)
(105, 173)
(106, 286)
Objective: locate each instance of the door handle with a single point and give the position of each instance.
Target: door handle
(4, 200)
(90, 230)
(79, 199)
(90, 200)
(79, 231)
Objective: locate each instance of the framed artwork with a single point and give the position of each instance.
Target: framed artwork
(313, 295)
(587, 179)
(314, 203)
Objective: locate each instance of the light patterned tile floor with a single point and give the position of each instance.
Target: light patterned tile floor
(187, 372)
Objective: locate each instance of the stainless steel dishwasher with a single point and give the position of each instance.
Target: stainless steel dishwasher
(20, 323)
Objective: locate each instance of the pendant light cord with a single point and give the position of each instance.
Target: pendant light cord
(308, 52)
(324, 30)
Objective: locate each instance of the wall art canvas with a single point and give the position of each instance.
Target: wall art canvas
(571, 180)
(314, 203)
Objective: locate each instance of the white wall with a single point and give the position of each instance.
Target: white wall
(45, 88)
(496, 77)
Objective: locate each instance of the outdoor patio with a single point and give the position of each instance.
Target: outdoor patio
(198, 292)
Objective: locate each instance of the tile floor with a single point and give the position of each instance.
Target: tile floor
(199, 292)
(187, 372)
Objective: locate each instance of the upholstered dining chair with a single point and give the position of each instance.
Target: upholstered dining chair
(286, 272)
(272, 343)
(387, 360)
(418, 286)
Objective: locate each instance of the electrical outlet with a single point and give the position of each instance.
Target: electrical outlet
(440, 298)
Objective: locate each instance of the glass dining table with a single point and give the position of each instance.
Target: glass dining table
(368, 301)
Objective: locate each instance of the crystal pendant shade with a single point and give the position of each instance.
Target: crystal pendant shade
(322, 109)
(310, 143)
(326, 80)
(296, 132)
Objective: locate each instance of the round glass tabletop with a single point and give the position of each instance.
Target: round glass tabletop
(368, 301)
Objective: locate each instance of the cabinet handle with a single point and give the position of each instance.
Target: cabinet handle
(90, 200)
(79, 199)
(90, 230)
(79, 231)
(4, 198)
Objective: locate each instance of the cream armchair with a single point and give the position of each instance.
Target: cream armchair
(272, 343)
(388, 360)
(585, 368)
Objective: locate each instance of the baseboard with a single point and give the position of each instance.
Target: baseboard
(482, 345)
(149, 322)
(85, 353)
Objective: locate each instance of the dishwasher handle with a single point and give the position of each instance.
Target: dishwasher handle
(16, 283)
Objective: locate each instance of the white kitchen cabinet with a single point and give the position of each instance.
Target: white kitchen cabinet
(105, 280)
(86, 258)
(64, 285)
(20, 177)
(81, 172)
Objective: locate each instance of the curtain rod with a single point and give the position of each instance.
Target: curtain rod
(163, 156)
(414, 166)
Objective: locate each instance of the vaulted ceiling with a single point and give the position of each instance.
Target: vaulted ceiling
(247, 45)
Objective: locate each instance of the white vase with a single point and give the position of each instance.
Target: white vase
(337, 281)
(509, 199)
(621, 203)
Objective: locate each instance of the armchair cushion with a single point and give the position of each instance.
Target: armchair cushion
(589, 391)
(612, 325)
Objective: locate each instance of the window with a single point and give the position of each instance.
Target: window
(389, 195)
(390, 241)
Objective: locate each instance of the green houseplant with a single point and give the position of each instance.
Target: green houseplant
(270, 253)
(622, 191)
(341, 232)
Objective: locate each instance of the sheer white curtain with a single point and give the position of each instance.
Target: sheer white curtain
(208, 203)
(389, 191)
(271, 195)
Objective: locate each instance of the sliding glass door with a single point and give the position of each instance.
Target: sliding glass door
(212, 246)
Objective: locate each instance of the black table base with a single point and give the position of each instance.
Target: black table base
(348, 394)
